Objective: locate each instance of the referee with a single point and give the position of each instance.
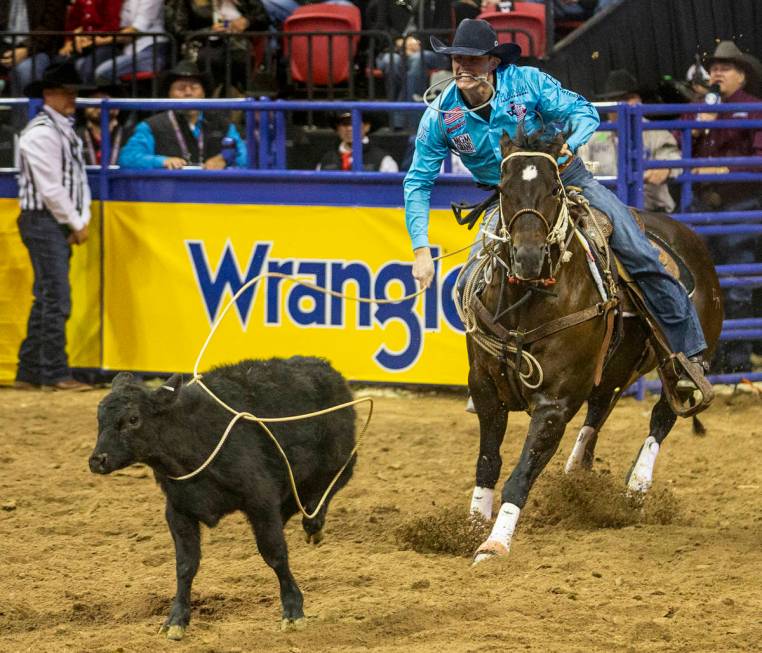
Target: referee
(55, 211)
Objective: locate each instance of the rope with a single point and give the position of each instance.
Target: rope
(479, 78)
(239, 415)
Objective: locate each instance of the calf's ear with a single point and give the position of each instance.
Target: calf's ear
(166, 394)
(122, 379)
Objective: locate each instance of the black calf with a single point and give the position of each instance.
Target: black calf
(174, 428)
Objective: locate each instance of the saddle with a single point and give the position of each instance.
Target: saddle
(598, 229)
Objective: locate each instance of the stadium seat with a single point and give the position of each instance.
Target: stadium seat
(329, 59)
(526, 16)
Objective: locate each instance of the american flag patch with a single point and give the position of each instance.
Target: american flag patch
(452, 115)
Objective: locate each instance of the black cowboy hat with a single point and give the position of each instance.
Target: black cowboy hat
(619, 83)
(186, 69)
(368, 118)
(56, 75)
(475, 38)
(729, 51)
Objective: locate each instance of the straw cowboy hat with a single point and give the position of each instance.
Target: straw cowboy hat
(475, 38)
(727, 51)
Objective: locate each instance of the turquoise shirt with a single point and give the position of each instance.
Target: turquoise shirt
(520, 92)
(140, 149)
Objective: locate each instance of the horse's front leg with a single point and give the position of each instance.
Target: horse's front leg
(493, 419)
(545, 431)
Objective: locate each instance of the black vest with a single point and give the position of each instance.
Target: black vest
(214, 128)
(371, 158)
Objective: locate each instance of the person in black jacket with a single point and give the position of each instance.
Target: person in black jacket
(374, 159)
(185, 138)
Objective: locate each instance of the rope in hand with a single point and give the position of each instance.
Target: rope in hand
(263, 421)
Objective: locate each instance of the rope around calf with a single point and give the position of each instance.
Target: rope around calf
(263, 421)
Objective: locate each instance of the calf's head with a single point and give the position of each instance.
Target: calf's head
(128, 420)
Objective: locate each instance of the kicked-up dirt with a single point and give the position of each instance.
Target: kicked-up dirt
(87, 563)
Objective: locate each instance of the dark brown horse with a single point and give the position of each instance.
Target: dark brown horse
(554, 335)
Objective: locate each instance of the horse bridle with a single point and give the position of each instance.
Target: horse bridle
(555, 234)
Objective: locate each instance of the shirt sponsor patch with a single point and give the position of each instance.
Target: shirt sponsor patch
(518, 110)
(456, 126)
(464, 144)
(453, 115)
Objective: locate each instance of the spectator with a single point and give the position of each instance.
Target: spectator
(658, 144)
(28, 57)
(734, 72)
(55, 212)
(340, 158)
(91, 16)
(228, 16)
(407, 68)
(175, 139)
(90, 131)
(8, 139)
(139, 53)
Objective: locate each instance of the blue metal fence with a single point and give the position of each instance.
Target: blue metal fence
(265, 133)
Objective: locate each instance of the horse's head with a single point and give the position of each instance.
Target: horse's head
(532, 211)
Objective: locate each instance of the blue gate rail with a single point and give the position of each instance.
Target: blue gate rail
(265, 134)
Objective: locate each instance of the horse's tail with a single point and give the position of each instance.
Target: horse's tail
(698, 427)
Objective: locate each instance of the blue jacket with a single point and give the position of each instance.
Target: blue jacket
(140, 149)
(520, 91)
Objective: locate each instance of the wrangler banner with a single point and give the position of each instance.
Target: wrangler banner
(170, 269)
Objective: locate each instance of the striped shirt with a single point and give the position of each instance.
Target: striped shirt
(52, 170)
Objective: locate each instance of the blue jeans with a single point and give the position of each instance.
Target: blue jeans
(42, 356)
(666, 297)
(28, 71)
(111, 70)
(87, 64)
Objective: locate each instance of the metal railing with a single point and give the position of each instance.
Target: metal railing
(117, 42)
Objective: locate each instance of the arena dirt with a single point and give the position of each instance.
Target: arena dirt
(86, 562)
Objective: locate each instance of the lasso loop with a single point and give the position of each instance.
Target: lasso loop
(239, 415)
(480, 78)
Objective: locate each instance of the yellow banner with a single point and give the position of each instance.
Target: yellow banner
(83, 328)
(171, 268)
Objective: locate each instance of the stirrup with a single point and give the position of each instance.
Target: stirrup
(686, 387)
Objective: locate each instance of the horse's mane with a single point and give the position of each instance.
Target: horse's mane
(547, 139)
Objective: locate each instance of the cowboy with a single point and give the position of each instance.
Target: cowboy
(176, 139)
(472, 124)
(55, 211)
(734, 72)
(90, 130)
(658, 144)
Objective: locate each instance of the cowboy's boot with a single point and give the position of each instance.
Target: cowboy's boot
(687, 386)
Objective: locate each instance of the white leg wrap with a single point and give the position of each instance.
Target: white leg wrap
(505, 524)
(574, 462)
(481, 501)
(643, 471)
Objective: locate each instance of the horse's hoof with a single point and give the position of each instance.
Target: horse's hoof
(175, 632)
(314, 538)
(488, 550)
(287, 624)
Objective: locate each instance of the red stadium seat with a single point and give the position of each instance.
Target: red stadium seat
(526, 16)
(329, 59)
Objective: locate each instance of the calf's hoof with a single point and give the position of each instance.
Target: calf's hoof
(314, 538)
(488, 550)
(287, 624)
(173, 632)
